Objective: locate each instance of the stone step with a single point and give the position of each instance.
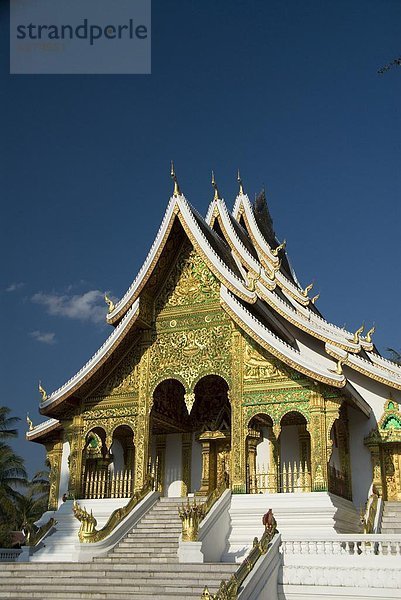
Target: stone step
(156, 591)
(31, 569)
(139, 560)
(158, 536)
(96, 595)
(391, 530)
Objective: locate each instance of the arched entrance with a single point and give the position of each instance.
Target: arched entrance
(108, 472)
(190, 436)
(261, 448)
(295, 454)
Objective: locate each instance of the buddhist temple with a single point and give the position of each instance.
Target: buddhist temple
(222, 378)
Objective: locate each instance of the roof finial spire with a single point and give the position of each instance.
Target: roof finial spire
(109, 303)
(216, 190)
(241, 187)
(42, 391)
(30, 424)
(177, 191)
(368, 336)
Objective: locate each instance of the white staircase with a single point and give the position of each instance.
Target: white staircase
(391, 520)
(296, 514)
(143, 565)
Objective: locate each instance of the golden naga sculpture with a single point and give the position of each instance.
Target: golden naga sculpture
(357, 334)
(216, 189)
(177, 191)
(34, 534)
(42, 391)
(87, 520)
(315, 298)
(88, 532)
(282, 246)
(109, 303)
(228, 590)
(241, 187)
(30, 424)
(191, 516)
(368, 336)
(308, 288)
(368, 515)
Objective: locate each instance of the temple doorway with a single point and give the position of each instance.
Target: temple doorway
(190, 437)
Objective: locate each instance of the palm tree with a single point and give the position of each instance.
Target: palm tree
(12, 476)
(6, 424)
(31, 506)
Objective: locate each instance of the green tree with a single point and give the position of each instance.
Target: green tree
(31, 505)
(12, 475)
(7, 424)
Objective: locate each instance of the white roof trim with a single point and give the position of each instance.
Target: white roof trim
(284, 282)
(185, 210)
(105, 349)
(148, 261)
(42, 428)
(276, 346)
(360, 364)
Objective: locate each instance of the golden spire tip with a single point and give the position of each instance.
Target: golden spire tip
(241, 187)
(177, 191)
(216, 190)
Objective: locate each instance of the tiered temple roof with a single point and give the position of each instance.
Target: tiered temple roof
(258, 289)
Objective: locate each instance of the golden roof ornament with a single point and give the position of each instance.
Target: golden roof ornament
(216, 189)
(177, 191)
(357, 334)
(315, 298)
(30, 424)
(251, 280)
(308, 288)
(43, 392)
(339, 367)
(275, 251)
(368, 336)
(109, 303)
(241, 187)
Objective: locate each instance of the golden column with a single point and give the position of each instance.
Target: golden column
(54, 455)
(238, 432)
(317, 430)
(205, 481)
(142, 428)
(373, 443)
(74, 436)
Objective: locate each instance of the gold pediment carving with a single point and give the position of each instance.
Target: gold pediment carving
(262, 367)
(189, 283)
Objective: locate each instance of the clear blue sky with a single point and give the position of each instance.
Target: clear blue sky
(287, 91)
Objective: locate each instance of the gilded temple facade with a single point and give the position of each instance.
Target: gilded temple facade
(220, 369)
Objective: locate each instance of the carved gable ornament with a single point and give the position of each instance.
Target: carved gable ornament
(190, 282)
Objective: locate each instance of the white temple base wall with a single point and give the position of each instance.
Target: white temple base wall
(303, 514)
(318, 592)
(61, 544)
